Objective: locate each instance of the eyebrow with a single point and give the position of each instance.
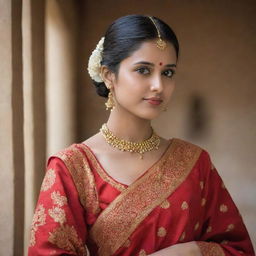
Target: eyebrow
(151, 64)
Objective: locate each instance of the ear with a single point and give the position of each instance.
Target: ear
(108, 76)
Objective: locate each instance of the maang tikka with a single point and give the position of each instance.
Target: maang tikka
(160, 43)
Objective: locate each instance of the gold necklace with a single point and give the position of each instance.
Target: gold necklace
(135, 147)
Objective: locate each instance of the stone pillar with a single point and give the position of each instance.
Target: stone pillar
(33, 30)
(61, 30)
(11, 126)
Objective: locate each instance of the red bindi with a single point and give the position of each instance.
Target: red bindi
(160, 63)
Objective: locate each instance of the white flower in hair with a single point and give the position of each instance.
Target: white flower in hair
(94, 62)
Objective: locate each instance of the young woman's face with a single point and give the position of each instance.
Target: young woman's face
(145, 80)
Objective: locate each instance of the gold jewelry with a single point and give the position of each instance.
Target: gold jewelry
(147, 145)
(110, 104)
(160, 43)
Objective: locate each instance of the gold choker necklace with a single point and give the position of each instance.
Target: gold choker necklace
(135, 147)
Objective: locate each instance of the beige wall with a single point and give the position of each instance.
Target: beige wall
(217, 62)
(6, 126)
(33, 88)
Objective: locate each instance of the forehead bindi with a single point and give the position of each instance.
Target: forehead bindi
(160, 63)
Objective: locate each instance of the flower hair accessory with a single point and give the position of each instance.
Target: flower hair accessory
(94, 63)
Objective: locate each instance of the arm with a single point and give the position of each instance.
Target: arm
(184, 249)
(58, 226)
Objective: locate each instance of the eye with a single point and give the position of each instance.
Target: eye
(169, 72)
(143, 70)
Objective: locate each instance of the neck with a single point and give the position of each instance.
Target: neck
(129, 127)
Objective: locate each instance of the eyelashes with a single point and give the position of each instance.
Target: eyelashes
(143, 70)
(169, 72)
(146, 71)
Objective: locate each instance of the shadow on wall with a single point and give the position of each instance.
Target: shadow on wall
(198, 116)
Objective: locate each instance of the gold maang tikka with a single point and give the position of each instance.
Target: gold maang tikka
(160, 43)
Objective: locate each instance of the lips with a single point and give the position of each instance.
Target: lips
(154, 100)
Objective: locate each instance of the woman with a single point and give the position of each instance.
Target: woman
(126, 190)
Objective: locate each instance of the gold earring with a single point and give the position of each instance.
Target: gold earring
(110, 104)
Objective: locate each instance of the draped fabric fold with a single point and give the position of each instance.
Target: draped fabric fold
(116, 223)
(181, 198)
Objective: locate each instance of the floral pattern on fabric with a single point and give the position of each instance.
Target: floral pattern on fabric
(71, 204)
(38, 220)
(82, 176)
(49, 180)
(58, 214)
(66, 238)
(58, 199)
(210, 249)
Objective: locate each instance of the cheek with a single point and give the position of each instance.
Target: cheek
(130, 82)
(169, 89)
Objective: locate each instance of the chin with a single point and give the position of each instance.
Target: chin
(150, 115)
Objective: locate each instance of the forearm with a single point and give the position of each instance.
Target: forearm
(183, 249)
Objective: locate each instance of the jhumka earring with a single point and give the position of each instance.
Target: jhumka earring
(110, 104)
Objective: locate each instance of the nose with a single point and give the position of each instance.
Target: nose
(157, 84)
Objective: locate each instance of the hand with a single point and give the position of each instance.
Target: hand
(183, 249)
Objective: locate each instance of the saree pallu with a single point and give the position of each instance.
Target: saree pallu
(83, 211)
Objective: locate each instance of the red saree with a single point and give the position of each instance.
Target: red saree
(181, 198)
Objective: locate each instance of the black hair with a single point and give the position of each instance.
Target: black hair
(125, 35)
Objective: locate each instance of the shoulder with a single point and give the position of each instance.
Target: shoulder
(70, 155)
(186, 146)
(190, 150)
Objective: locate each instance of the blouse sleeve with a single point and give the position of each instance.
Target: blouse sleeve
(223, 232)
(58, 226)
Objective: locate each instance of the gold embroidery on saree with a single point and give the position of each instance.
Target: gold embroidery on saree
(117, 222)
(182, 237)
(210, 249)
(127, 243)
(230, 227)
(165, 204)
(223, 208)
(82, 176)
(57, 214)
(197, 226)
(203, 202)
(184, 205)
(66, 238)
(38, 220)
(49, 180)
(99, 170)
(161, 232)
(142, 253)
(209, 229)
(58, 199)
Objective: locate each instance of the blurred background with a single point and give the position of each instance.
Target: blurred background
(48, 102)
